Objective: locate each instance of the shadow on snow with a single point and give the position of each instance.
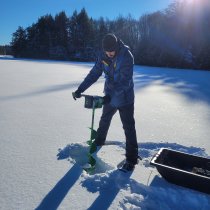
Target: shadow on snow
(108, 182)
(194, 84)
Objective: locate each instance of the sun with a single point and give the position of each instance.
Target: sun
(195, 1)
(189, 1)
(199, 4)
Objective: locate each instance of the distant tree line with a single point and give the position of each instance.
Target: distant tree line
(178, 36)
(5, 50)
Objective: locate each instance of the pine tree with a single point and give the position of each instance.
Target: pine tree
(19, 42)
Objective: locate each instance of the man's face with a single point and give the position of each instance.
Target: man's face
(110, 54)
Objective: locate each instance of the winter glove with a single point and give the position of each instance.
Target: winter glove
(106, 99)
(76, 94)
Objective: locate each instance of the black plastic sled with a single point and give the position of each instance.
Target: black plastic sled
(183, 169)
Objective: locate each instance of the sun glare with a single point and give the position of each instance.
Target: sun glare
(196, 1)
(198, 4)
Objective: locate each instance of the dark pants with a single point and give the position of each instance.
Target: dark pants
(127, 118)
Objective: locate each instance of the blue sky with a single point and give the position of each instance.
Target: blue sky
(23, 13)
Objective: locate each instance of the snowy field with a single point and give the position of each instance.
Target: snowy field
(43, 133)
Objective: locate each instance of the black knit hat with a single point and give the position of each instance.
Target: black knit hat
(109, 43)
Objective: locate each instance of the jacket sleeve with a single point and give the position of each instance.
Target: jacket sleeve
(92, 76)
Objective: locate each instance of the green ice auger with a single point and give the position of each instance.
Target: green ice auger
(92, 102)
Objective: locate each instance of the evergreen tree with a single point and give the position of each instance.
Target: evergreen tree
(32, 49)
(59, 48)
(84, 35)
(44, 35)
(19, 42)
(101, 29)
(73, 31)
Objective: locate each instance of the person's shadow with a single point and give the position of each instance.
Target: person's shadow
(54, 198)
(76, 152)
(106, 181)
(108, 188)
(107, 191)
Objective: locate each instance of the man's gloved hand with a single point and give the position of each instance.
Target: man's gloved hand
(76, 94)
(106, 99)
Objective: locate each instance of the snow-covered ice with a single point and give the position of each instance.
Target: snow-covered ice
(43, 133)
